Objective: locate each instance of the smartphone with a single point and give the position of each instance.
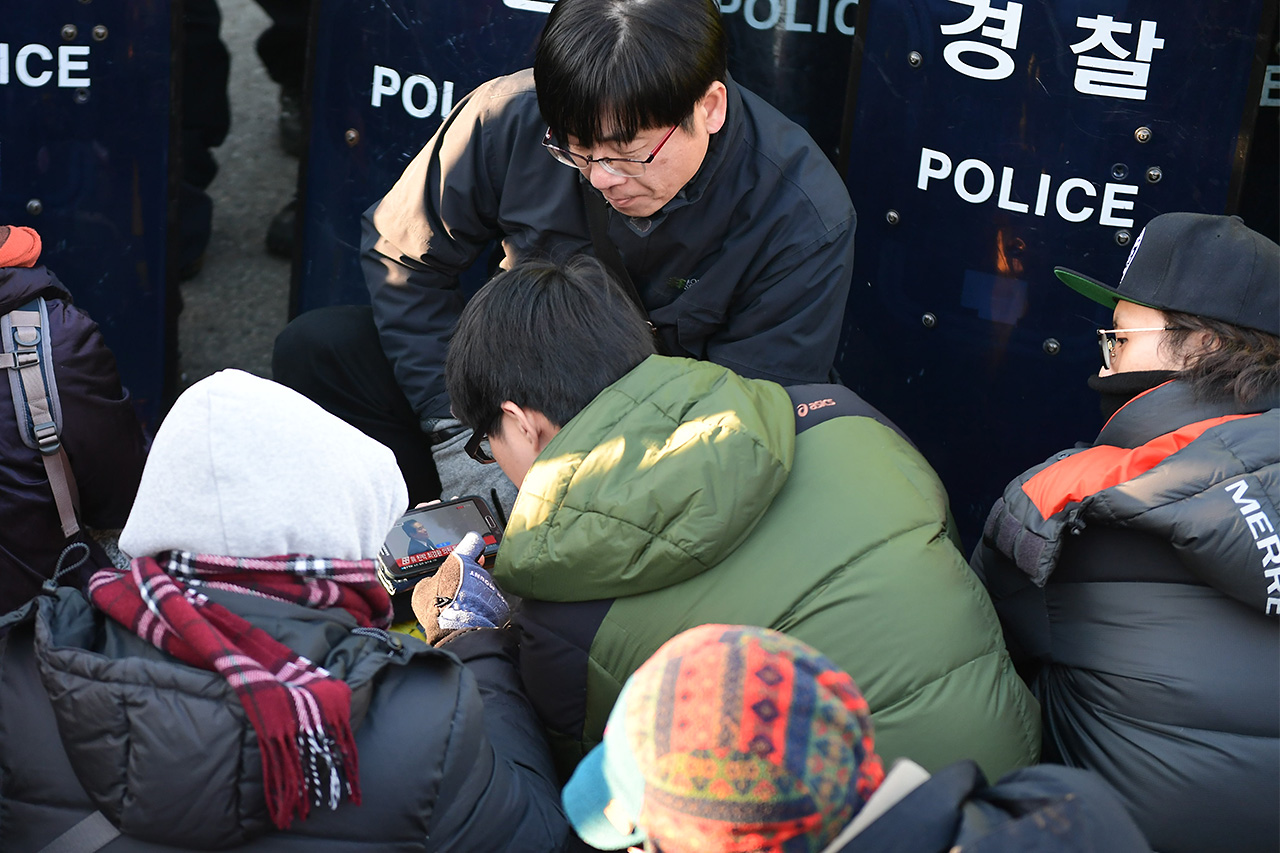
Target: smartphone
(421, 540)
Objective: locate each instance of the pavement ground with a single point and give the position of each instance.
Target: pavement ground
(239, 302)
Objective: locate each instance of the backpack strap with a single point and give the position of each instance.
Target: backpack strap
(28, 357)
(89, 835)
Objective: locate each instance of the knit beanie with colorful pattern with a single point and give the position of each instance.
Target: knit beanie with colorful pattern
(730, 739)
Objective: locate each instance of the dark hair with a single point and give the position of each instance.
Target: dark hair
(545, 336)
(1236, 361)
(411, 526)
(609, 69)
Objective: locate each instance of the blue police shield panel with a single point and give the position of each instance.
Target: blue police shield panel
(795, 54)
(84, 160)
(384, 76)
(993, 140)
(1260, 181)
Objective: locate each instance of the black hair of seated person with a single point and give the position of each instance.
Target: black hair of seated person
(413, 529)
(547, 336)
(1236, 362)
(609, 69)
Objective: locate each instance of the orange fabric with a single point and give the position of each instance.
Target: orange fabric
(1090, 471)
(21, 249)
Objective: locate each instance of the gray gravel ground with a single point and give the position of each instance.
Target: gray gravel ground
(238, 303)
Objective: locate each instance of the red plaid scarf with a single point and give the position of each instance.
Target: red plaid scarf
(301, 714)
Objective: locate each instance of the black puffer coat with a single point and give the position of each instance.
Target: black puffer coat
(1040, 809)
(92, 717)
(1138, 582)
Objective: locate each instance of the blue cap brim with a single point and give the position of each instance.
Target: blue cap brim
(585, 799)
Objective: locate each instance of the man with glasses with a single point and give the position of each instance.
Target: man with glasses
(627, 140)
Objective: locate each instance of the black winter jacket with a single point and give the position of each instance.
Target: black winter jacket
(91, 717)
(104, 440)
(1040, 809)
(748, 266)
(1138, 582)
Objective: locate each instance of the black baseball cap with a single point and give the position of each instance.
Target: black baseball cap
(1196, 263)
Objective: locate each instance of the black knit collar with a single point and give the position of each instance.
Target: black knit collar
(1167, 407)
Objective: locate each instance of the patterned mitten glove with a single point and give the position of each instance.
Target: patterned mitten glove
(460, 596)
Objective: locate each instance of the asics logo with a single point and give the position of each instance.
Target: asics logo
(805, 408)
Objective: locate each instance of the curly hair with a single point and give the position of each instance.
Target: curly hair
(1236, 362)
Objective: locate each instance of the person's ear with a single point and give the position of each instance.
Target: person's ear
(1203, 340)
(517, 423)
(532, 427)
(1197, 343)
(715, 106)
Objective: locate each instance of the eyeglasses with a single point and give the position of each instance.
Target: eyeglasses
(1108, 340)
(620, 166)
(477, 448)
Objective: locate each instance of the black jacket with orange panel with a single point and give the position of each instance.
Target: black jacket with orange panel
(1138, 584)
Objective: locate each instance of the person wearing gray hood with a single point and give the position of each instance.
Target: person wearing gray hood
(236, 687)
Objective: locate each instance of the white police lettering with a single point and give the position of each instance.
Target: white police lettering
(1271, 87)
(418, 93)
(543, 6)
(1068, 203)
(796, 16)
(34, 65)
(1255, 517)
(1010, 21)
(815, 16)
(1114, 76)
(805, 408)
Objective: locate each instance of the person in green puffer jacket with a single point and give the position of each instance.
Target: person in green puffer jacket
(657, 494)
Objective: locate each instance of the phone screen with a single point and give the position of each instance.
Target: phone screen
(427, 535)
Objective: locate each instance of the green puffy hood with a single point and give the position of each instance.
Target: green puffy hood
(658, 479)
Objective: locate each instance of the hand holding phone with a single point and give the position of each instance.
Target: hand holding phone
(460, 596)
(424, 537)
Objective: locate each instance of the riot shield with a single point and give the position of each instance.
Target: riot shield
(383, 78)
(991, 141)
(796, 54)
(85, 160)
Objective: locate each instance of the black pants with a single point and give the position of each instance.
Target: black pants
(333, 356)
(282, 47)
(206, 118)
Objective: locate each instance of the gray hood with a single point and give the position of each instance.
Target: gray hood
(245, 467)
